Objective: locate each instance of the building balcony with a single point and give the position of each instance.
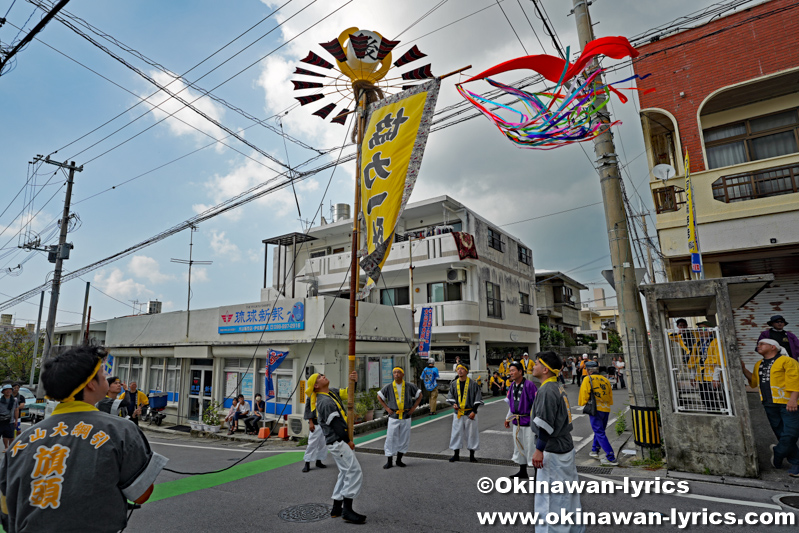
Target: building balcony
(458, 314)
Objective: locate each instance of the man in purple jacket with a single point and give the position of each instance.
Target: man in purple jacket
(520, 398)
(777, 332)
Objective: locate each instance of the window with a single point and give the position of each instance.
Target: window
(494, 239)
(172, 379)
(164, 377)
(760, 184)
(128, 369)
(524, 304)
(395, 296)
(155, 381)
(338, 250)
(318, 253)
(525, 255)
(443, 292)
(750, 140)
(494, 300)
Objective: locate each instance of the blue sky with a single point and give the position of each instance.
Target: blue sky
(48, 101)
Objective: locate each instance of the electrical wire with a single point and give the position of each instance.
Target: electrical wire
(512, 28)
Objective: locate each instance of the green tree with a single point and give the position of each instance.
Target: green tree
(16, 355)
(614, 342)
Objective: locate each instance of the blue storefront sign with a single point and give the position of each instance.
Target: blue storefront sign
(425, 331)
(285, 315)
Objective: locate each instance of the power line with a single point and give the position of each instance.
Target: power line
(550, 214)
(511, 27)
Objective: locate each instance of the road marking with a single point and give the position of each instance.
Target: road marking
(575, 417)
(578, 439)
(497, 432)
(697, 496)
(220, 449)
(610, 423)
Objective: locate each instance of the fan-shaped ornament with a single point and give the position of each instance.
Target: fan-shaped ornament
(363, 59)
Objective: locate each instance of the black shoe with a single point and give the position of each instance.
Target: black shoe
(307, 467)
(399, 460)
(472, 458)
(389, 463)
(320, 464)
(335, 512)
(351, 516)
(455, 458)
(522, 473)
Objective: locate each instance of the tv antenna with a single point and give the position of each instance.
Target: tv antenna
(190, 262)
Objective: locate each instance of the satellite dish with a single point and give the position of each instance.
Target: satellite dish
(664, 172)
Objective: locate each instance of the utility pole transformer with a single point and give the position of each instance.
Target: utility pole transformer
(61, 253)
(632, 326)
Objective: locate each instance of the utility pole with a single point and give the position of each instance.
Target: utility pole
(632, 326)
(190, 262)
(36, 342)
(57, 255)
(85, 307)
(648, 251)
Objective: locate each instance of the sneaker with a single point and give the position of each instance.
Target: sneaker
(793, 471)
(774, 462)
(594, 454)
(608, 462)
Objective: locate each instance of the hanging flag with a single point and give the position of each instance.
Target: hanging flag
(693, 236)
(425, 331)
(391, 154)
(272, 362)
(411, 55)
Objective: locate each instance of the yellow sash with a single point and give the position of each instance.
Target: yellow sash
(462, 398)
(400, 394)
(338, 404)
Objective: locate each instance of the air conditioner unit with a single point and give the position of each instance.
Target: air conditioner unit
(298, 426)
(456, 275)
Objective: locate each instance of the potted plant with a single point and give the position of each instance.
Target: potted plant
(211, 417)
(366, 398)
(360, 411)
(378, 407)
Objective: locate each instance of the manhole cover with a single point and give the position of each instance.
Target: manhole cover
(789, 500)
(307, 512)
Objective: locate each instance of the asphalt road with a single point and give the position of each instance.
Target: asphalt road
(430, 494)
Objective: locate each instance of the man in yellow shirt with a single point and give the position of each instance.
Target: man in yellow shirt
(603, 394)
(706, 361)
(138, 402)
(777, 377)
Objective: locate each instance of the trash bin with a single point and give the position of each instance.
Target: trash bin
(646, 426)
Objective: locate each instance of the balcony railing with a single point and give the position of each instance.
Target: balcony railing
(494, 308)
(757, 184)
(668, 199)
(527, 309)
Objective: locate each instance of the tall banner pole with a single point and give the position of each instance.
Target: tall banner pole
(355, 269)
(692, 233)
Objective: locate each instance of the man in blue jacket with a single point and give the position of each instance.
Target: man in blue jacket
(430, 379)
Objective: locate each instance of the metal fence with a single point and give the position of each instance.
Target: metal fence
(698, 371)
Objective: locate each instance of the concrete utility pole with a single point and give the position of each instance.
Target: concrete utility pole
(632, 326)
(61, 253)
(36, 342)
(649, 264)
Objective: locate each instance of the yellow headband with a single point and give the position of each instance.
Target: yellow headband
(462, 366)
(71, 397)
(398, 368)
(309, 390)
(556, 372)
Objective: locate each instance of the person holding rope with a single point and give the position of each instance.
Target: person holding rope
(328, 403)
(465, 397)
(521, 396)
(554, 448)
(77, 469)
(394, 398)
(316, 450)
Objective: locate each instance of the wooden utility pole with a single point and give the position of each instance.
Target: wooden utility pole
(632, 326)
(61, 252)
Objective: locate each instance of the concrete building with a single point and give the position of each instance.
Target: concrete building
(482, 308)
(738, 117)
(558, 300)
(596, 317)
(71, 334)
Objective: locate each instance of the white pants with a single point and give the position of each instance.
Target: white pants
(316, 449)
(350, 476)
(523, 445)
(557, 467)
(463, 428)
(398, 436)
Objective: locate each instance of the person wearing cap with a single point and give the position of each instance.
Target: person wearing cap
(115, 402)
(429, 377)
(328, 403)
(521, 395)
(8, 414)
(554, 448)
(316, 450)
(582, 370)
(527, 365)
(777, 377)
(77, 469)
(603, 395)
(777, 332)
(395, 399)
(465, 397)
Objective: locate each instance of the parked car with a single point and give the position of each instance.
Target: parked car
(30, 399)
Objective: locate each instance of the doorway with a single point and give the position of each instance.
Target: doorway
(200, 387)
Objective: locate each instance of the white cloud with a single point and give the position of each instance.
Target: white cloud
(198, 275)
(142, 266)
(115, 284)
(222, 246)
(185, 121)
